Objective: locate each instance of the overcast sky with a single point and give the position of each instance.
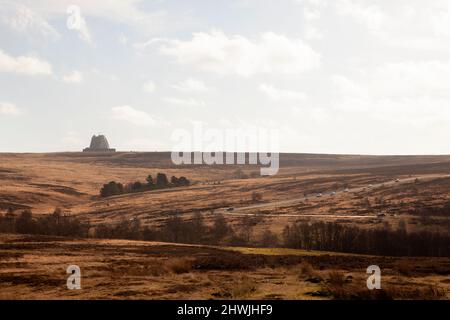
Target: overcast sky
(341, 76)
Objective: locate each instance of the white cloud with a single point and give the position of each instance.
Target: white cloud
(217, 52)
(347, 87)
(372, 16)
(73, 77)
(311, 14)
(149, 86)
(276, 94)
(440, 19)
(24, 64)
(9, 109)
(313, 3)
(411, 24)
(24, 20)
(408, 93)
(312, 33)
(400, 79)
(412, 78)
(189, 102)
(133, 116)
(191, 85)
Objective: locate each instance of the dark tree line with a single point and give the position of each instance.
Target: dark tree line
(174, 229)
(113, 188)
(311, 236)
(337, 237)
(55, 224)
(427, 211)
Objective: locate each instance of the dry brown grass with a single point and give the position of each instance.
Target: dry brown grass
(336, 278)
(179, 265)
(404, 268)
(429, 292)
(336, 285)
(244, 288)
(391, 292)
(72, 181)
(306, 270)
(34, 267)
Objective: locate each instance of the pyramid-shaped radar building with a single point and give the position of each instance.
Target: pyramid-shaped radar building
(99, 144)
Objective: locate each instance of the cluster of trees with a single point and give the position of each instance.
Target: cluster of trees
(175, 229)
(56, 224)
(328, 236)
(113, 188)
(428, 211)
(332, 236)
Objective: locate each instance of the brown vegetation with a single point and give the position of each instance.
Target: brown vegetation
(34, 267)
(225, 206)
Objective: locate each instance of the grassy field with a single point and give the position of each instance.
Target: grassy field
(34, 267)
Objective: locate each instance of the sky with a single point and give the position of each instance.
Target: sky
(337, 76)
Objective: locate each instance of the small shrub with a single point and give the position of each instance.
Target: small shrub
(161, 180)
(112, 188)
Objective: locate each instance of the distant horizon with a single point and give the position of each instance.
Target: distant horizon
(283, 152)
